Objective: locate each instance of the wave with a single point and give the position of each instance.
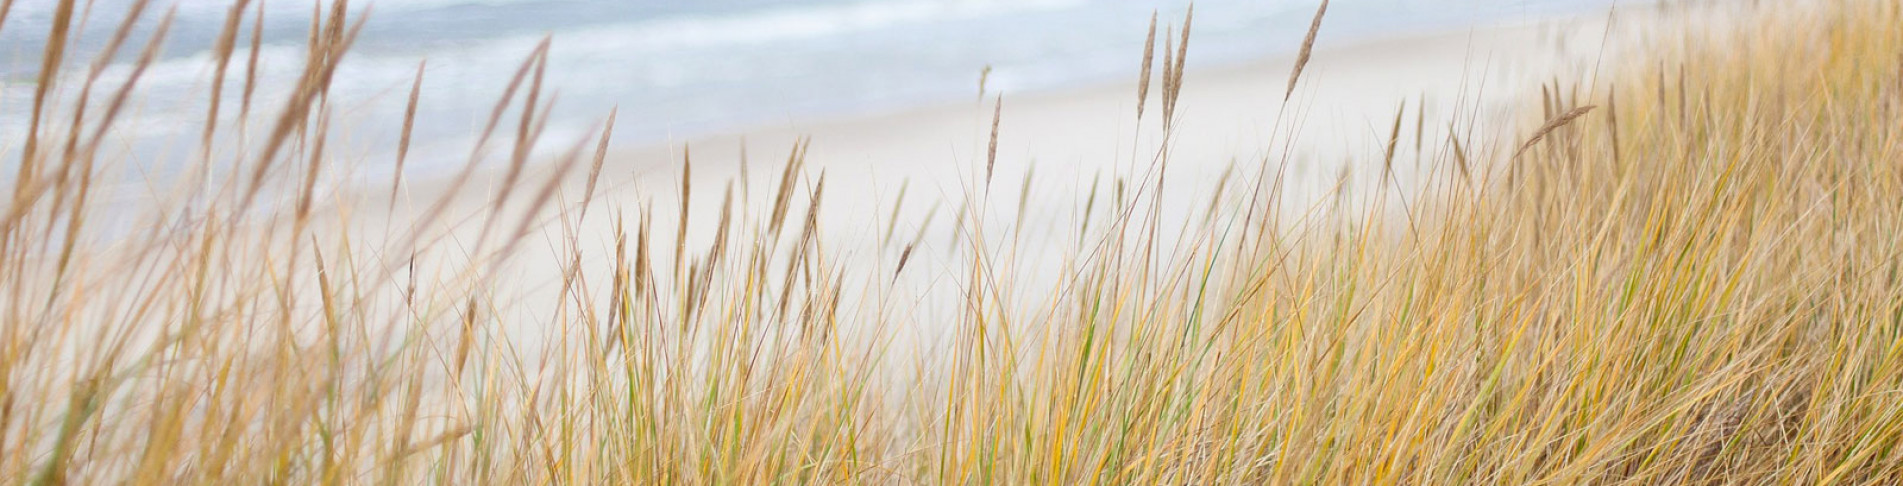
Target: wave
(776, 24)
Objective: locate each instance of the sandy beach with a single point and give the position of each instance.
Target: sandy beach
(1067, 142)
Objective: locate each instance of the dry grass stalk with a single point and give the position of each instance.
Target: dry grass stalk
(788, 174)
(687, 199)
(1175, 91)
(543, 196)
(221, 51)
(526, 130)
(892, 222)
(1169, 69)
(6, 8)
(1420, 128)
(50, 62)
(721, 227)
(1308, 48)
(1553, 124)
(1675, 321)
(476, 154)
(1460, 153)
(1143, 78)
(320, 63)
(1024, 198)
(409, 125)
(1394, 139)
(601, 156)
(78, 123)
(991, 153)
(1612, 125)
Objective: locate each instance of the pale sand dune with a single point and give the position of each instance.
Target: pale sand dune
(1343, 108)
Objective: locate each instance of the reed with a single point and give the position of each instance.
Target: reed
(1551, 125)
(1143, 76)
(1308, 49)
(1704, 289)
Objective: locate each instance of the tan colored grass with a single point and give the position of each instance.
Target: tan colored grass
(991, 151)
(1555, 123)
(409, 124)
(1705, 289)
(1308, 49)
(1143, 76)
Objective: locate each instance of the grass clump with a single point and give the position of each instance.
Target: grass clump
(1689, 275)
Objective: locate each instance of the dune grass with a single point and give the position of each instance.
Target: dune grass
(1684, 273)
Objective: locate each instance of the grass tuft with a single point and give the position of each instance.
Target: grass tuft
(1705, 289)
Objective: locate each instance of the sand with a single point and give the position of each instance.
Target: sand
(1336, 127)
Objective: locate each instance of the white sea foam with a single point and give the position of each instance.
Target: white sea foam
(711, 65)
(798, 22)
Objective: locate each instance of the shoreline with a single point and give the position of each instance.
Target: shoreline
(1054, 150)
(1346, 93)
(662, 157)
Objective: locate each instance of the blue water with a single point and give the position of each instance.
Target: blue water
(678, 69)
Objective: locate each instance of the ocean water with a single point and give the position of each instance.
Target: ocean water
(682, 68)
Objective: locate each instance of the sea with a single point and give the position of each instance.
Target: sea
(675, 69)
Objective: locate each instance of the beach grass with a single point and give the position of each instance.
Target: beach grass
(1683, 271)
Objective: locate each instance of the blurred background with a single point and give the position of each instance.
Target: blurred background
(681, 69)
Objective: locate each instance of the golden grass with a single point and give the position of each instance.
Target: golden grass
(1308, 49)
(1705, 288)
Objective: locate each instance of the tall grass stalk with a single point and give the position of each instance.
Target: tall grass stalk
(1703, 285)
